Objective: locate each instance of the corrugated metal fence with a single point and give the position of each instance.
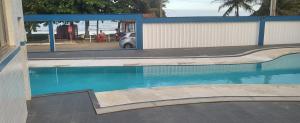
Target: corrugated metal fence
(189, 32)
(285, 32)
(219, 31)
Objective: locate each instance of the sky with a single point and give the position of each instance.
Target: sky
(178, 8)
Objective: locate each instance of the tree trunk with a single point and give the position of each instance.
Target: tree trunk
(30, 29)
(119, 27)
(237, 11)
(273, 7)
(264, 10)
(87, 24)
(97, 27)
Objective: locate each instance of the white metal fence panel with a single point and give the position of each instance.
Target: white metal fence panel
(284, 32)
(189, 35)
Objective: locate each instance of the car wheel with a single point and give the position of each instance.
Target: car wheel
(128, 46)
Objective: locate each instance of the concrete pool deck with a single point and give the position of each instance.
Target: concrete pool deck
(78, 108)
(252, 56)
(115, 101)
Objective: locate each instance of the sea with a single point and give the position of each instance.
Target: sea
(108, 27)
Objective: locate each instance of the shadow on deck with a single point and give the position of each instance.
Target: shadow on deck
(78, 108)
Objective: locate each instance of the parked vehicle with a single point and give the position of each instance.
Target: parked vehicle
(128, 41)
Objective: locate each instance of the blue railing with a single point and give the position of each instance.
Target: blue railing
(138, 18)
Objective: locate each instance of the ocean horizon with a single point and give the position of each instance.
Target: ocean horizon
(108, 27)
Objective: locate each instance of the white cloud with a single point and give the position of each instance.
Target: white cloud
(192, 5)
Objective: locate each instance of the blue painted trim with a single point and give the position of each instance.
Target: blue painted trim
(9, 58)
(51, 36)
(201, 19)
(80, 17)
(282, 18)
(220, 19)
(261, 35)
(140, 20)
(139, 33)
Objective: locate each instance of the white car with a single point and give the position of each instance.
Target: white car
(128, 41)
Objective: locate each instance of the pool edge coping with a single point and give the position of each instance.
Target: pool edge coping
(204, 99)
(183, 101)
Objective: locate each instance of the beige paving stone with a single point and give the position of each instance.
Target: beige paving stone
(151, 97)
(169, 93)
(183, 92)
(124, 107)
(109, 99)
(204, 91)
(141, 96)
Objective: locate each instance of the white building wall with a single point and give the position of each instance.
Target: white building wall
(189, 35)
(13, 107)
(14, 81)
(15, 21)
(283, 32)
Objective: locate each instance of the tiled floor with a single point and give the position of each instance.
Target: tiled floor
(77, 108)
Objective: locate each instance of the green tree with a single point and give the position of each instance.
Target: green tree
(62, 7)
(284, 7)
(89, 7)
(235, 5)
(140, 6)
(157, 6)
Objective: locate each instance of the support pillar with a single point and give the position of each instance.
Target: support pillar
(51, 36)
(139, 32)
(261, 35)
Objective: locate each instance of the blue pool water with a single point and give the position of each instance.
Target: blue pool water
(284, 70)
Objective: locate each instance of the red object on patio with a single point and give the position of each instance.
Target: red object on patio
(70, 31)
(63, 32)
(101, 37)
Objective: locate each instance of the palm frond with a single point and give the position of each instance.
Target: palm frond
(247, 7)
(226, 4)
(228, 11)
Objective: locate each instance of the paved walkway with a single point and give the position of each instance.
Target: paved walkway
(74, 46)
(254, 57)
(77, 108)
(117, 54)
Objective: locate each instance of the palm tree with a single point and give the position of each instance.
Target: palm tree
(151, 6)
(288, 7)
(235, 5)
(284, 7)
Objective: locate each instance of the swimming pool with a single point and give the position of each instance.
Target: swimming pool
(284, 70)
